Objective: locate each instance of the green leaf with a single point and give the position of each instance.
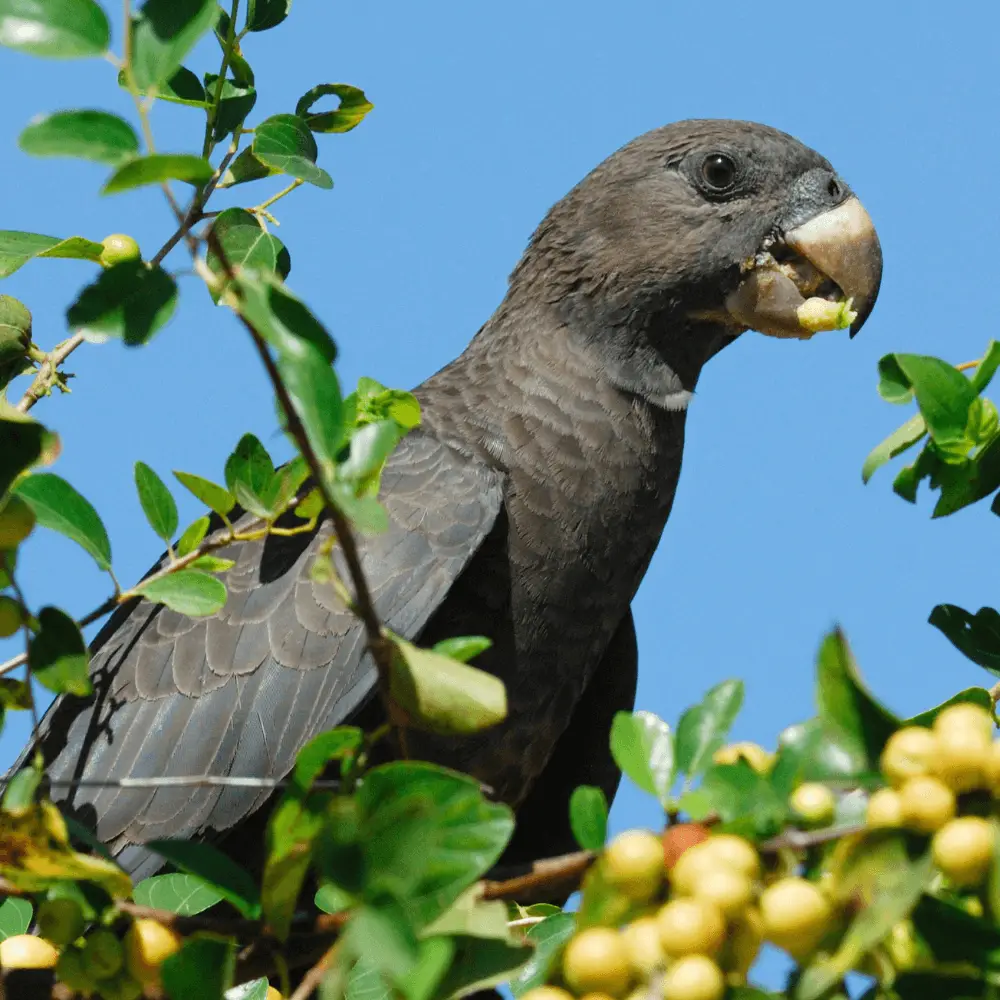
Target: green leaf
(57, 654)
(434, 959)
(349, 114)
(182, 88)
(154, 168)
(812, 751)
(472, 916)
(23, 443)
(895, 444)
(746, 801)
(157, 503)
(976, 635)
(235, 103)
(212, 495)
(443, 695)
(462, 648)
(643, 748)
(163, 33)
(845, 705)
(285, 143)
(88, 135)
(245, 168)
(218, 870)
(193, 536)
(203, 969)
(986, 368)
(15, 333)
(954, 935)
(893, 385)
(245, 243)
(21, 789)
(588, 817)
(15, 917)
(335, 744)
(371, 445)
(17, 248)
(480, 965)
(188, 591)
(59, 29)
(213, 564)
(249, 472)
(256, 989)
(943, 394)
(264, 14)
(15, 694)
(59, 507)
(128, 300)
(703, 728)
(382, 939)
(183, 894)
(970, 696)
(548, 937)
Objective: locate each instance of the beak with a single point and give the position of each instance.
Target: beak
(824, 275)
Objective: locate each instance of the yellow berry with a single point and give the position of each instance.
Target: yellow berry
(693, 977)
(721, 851)
(746, 935)
(60, 920)
(725, 888)
(642, 942)
(118, 248)
(909, 753)
(926, 804)
(753, 753)
(25, 951)
(962, 758)
(885, 809)
(691, 927)
(633, 864)
(993, 767)
(538, 993)
(10, 616)
(596, 961)
(814, 804)
(963, 849)
(16, 521)
(964, 717)
(273, 994)
(147, 944)
(102, 954)
(795, 915)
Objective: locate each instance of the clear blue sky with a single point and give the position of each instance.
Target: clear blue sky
(485, 115)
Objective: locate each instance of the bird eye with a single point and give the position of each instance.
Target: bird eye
(718, 171)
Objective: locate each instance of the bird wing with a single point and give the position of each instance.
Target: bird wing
(240, 692)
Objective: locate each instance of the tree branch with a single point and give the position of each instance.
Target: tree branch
(48, 374)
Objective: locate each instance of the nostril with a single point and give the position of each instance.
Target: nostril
(835, 188)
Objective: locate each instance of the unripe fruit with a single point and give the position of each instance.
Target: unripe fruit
(120, 987)
(60, 920)
(725, 888)
(678, 839)
(25, 951)
(694, 977)
(814, 804)
(962, 758)
(596, 961)
(885, 809)
(70, 971)
(721, 851)
(746, 936)
(10, 616)
(538, 993)
(102, 954)
(16, 521)
(753, 753)
(633, 864)
(964, 717)
(963, 849)
(147, 944)
(690, 927)
(795, 915)
(909, 753)
(642, 942)
(118, 248)
(927, 804)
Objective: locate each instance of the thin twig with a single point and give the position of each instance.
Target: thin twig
(544, 875)
(48, 374)
(799, 840)
(312, 979)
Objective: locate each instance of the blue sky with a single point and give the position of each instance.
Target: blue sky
(484, 116)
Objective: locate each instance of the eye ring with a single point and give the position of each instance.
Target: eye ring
(718, 172)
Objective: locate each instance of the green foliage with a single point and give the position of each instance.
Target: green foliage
(57, 654)
(17, 248)
(87, 135)
(182, 894)
(187, 591)
(588, 817)
(643, 747)
(285, 144)
(57, 29)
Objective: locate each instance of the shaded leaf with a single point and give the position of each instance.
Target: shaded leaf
(588, 817)
(383, 940)
(745, 801)
(23, 443)
(548, 937)
(335, 744)
(986, 368)
(57, 654)
(643, 748)
(59, 507)
(15, 917)
(88, 135)
(703, 728)
(236, 101)
(246, 244)
(256, 989)
(462, 648)
(210, 494)
(480, 964)
(17, 248)
(245, 168)
(976, 635)
(895, 444)
(153, 168)
(21, 789)
(183, 894)
(157, 503)
(264, 14)
(233, 883)
(349, 114)
(285, 143)
(163, 32)
(182, 88)
(188, 591)
(203, 969)
(59, 29)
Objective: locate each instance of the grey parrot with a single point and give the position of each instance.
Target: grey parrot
(525, 508)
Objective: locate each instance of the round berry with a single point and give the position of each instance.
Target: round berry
(814, 804)
(993, 767)
(102, 954)
(25, 951)
(746, 935)
(691, 927)
(16, 521)
(721, 851)
(60, 920)
(926, 804)
(725, 888)
(596, 961)
(642, 942)
(70, 972)
(633, 864)
(963, 849)
(962, 758)
(678, 839)
(964, 717)
(118, 248)
(10, 616)
(147, 944)
(753, 753)
(693, 977)
(273, 994)
(795, 915)
(885, 809)
(909, 753)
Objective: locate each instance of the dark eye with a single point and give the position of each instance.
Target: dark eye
(718, 172)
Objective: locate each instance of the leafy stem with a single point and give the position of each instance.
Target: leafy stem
(48, 375)
(213, 112)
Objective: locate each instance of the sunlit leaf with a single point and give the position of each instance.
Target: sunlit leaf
(157, 503)
(221, 873)
(203, 969)
(643, 748)
(57, 654)
(59, 29)
(183, 894)
(163, 32)
(210, 494)
(188, 591)
(703, 728)
(15, 917)
(349, 114)
(193, 536)
(246, 244)
(588, 817)
(548, 937)
(895, 444)
(88, 135)
(17, 248)
(285, 143)
(157, 167)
